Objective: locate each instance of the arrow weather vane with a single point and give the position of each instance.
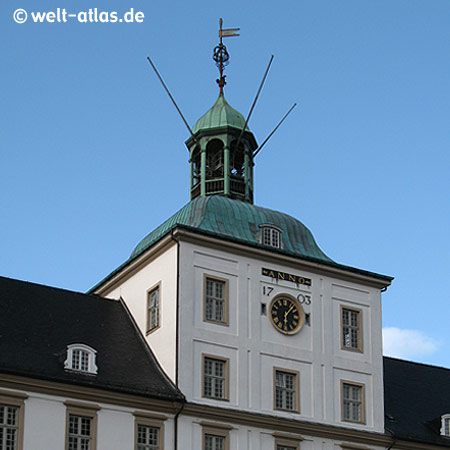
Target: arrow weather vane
(221, 55)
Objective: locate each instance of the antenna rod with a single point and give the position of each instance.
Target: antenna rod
(275, 129)
(254, 101)
(171, 98)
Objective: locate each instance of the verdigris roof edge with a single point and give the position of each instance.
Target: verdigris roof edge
(274, 250)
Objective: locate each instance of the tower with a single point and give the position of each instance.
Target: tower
(271, 341)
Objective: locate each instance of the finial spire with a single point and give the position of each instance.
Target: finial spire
(221, 55)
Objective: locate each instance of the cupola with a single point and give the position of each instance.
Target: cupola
(221, 154)
(221, 146)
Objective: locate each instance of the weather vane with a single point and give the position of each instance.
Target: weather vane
(221, 55)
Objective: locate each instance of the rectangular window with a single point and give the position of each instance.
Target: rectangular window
(153, 303)
(9, 427)
(80, 433)
(11, 420)
(353, 402)
(445, 425)
(81, 426)
(213, 442)
(215, 436)
(271, 237)
(149, 431)
(147, 438)
(351, 329)
(215, 303)
(286, 442)
(286, 390)
(215, 378)
(80, 360)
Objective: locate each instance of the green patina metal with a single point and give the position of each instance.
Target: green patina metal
(220, 115)
(221, 154)
(240, 222)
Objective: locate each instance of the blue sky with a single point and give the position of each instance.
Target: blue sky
(92, 152)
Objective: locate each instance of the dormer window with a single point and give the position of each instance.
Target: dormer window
(81, 358)
(445, 427)
(270, 236)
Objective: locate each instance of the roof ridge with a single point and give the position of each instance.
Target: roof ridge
(56, 288)
(148, 350)
(417, 363)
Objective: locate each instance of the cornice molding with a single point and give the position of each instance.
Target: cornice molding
(241, 249)
(285, 425)
(347, 438)
(87, 394)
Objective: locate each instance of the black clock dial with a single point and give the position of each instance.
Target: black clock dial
(286, 314)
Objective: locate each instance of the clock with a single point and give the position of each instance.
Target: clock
(286, 314)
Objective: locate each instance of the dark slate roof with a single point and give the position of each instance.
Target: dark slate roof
(415, 397)
(38, 322)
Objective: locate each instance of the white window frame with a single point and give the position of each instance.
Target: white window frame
(292, 392)
(154, 309)
(81, 358)
(271, 236)
(212, 302)
(445, 425)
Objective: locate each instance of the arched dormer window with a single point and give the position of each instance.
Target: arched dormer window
(445, 425)
(271, 236)
(81, 358)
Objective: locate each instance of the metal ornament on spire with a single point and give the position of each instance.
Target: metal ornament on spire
(221, 55)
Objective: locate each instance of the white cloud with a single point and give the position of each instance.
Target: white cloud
(407, 344)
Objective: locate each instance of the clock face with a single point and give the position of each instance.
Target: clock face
(286, 314)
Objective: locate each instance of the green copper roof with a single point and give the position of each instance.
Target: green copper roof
(234, 220)
(238, 221)
(220, 115)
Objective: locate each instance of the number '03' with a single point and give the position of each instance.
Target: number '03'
(304, 299)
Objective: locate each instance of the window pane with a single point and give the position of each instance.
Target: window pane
(214, 378)
(153, 309)
(9, 416)
(79, 436)
(350, 328)
(215, 300)
(148, 438)
(271, 236)
(285, 384)
(213, 442)
(352, 404)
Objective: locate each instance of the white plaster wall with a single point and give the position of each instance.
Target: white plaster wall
(163, 270)
(45, 424)
(254, 347)
(251, 438)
